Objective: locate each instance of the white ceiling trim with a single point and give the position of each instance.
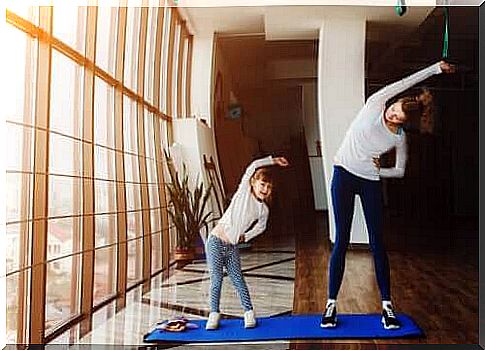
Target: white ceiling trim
(251, 3)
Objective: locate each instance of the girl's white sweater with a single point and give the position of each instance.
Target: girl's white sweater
(245, 208)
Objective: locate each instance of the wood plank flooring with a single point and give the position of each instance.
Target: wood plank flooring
(437, 287)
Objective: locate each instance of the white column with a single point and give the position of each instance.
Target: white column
(340, 97)
(201, 87)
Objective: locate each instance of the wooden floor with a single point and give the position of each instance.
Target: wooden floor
(437, 285)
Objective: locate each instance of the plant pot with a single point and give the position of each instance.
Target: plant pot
(199, 248)
(184, 256)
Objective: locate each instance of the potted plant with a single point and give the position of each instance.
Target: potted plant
(187, 211)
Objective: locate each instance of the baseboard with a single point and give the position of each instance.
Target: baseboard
(354, 246)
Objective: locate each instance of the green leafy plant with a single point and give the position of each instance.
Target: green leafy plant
(186, 207)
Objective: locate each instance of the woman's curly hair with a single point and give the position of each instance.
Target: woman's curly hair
(419, 110)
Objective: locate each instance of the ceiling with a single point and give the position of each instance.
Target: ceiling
(392, 42)
(295, 22)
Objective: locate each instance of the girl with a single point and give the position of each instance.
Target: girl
(247, 206)
(376, 129)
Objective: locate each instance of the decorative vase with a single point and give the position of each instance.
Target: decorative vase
(184, 256)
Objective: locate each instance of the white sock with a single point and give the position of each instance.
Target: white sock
(386, 304)
(331, 301)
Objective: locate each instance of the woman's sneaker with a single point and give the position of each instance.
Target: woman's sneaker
(213, 321)
(249, 319)
(329, 318)
(389, 319)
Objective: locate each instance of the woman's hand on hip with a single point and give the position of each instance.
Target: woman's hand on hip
(377, 162)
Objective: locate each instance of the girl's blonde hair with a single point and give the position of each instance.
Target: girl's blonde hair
(263, 174)
(266, 175)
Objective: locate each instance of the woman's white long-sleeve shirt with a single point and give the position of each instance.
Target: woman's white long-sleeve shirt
(369, 137)
(245, 208)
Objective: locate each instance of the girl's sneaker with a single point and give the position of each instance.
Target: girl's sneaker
(249, 319)
(213, 321)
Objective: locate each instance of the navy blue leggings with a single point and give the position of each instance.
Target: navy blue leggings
(344, 187)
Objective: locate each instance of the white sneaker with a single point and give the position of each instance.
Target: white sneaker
(213, 321)
(249, 319)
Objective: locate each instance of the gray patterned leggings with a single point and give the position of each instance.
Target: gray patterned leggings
(220, 255)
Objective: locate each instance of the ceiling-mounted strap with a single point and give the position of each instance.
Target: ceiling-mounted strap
(400, 8)
(444, 53)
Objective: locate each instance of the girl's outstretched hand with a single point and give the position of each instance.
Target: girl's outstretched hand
(281, 161)
(447, 67)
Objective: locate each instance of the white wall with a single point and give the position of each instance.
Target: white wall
(194, 139)
(201, 88)
(291, 69)
(340, 97)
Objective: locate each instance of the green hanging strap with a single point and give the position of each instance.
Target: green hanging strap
(445, 34)
(400, 8)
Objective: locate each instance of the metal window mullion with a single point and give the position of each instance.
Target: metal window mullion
(40, 190)
(120, 165)
(77, 118)
(26, 190)
(145, 204)
(88, 226)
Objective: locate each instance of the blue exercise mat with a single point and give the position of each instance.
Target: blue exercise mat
(358, 326)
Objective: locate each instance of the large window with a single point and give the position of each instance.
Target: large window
(164, 58)
(69, 25)
(105, 185)
(64, 198)
(150, 52)
(19, 109)
(175, 69)
(153, 192)
(131, 47)
(106, 36)
(94, 199)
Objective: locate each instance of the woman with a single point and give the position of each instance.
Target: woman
(377, 128)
